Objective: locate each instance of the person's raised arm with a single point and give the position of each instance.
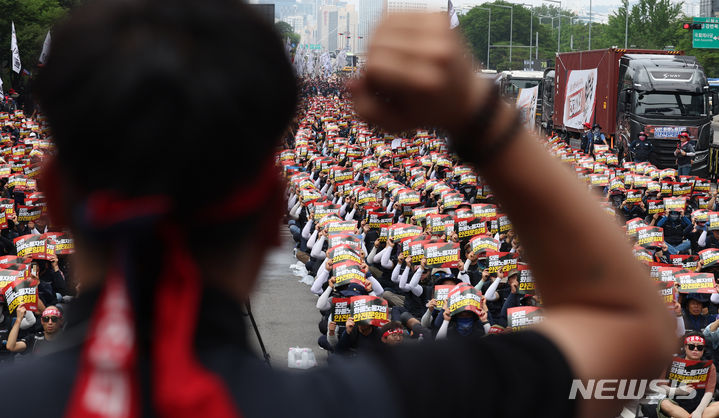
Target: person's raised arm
(324, 302)
(316, 251)
(307, 230)
(323, 273)
(593, 311)
(13, 345)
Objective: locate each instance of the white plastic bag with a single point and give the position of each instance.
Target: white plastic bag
(301, 358)
(298, 269)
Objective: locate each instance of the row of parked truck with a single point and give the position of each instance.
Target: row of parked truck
(625, 91)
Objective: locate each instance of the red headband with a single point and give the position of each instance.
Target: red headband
(52, 311)
(694, 339)
(392, 331)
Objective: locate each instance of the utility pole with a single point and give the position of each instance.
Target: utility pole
(489, 28)
(590, 25)
(626, 25)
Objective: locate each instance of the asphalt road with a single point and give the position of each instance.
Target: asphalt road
(284, 308)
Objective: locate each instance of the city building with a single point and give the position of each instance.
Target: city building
(297, 23)
(370, 13)
(398, 6)
(709, 8)
(327, 28)
(347, 28)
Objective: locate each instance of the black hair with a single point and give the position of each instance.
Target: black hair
(143, 96)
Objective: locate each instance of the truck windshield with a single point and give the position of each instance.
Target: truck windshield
(511, 88)
(670, 104)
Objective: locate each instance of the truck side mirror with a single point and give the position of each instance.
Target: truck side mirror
(715, 103)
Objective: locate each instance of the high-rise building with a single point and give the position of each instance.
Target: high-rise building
(705, 8)
(397, 6)
(370, 13)
(328, 24)
(297, 23)
(347, 28)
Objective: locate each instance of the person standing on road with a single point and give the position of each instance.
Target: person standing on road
(684, 153)
(595, 137)
(191, 69)
(641, 148)
(586, 138)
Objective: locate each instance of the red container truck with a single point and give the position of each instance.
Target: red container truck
(626, 91)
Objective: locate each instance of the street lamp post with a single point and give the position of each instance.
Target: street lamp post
(511, 21)
(489, 27)
(531, 19)
(552, 19)
(590, 25)
(626, 25)
(559, 35)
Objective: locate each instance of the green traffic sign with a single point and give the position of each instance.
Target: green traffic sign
(708, 35)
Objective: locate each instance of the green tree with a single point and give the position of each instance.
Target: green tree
(652, 24)
(285, 30)
(474, 23)
(33, 19)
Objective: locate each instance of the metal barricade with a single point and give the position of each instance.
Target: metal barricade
(713, 161)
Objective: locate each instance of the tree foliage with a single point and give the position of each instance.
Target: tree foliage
(652, 24)
(285, 30)
(33, 19)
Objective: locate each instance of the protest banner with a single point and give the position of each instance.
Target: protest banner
(709, 257)
(441, 254)
(483, 243)
(526, 281)
(34, 246)
(632, 225)
(440, 294)
(378, 220)
(685, 261)
(650, 236)
(468, 228)
(501, 261)
(484, 210)
(21, 291)
(464, 298)
(522, 317)
(695, 282)
(668, 292)
(347, 272)
(689, 372)
(342, 253)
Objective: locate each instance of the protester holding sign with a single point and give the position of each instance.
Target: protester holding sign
(677, 228)
(363, 336)
(694, 318)
(692, 381)
(465, 314)
(684, 154)
(51, 321)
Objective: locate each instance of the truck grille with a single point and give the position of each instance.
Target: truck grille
(663, 155)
